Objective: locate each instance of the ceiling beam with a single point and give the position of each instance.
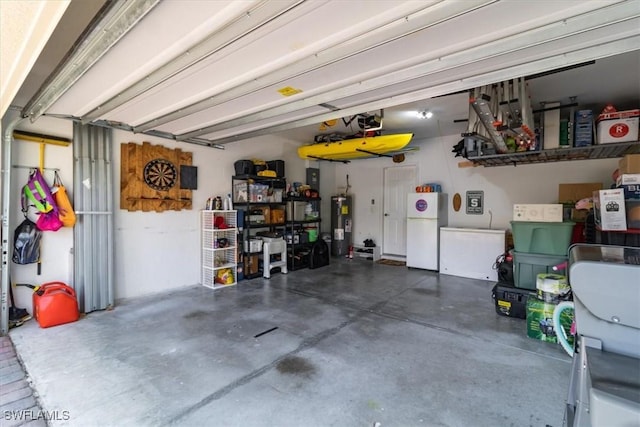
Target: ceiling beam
(240, 21)
(620, 19)
(394, 28)
(118, 19)
(557, 61)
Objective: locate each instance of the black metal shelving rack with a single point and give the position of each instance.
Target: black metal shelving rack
(245, 206)
(298, 253)
(601, 151)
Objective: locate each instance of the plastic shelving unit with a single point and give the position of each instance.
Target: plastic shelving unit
(219, 248)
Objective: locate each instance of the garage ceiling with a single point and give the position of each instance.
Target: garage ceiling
(215, 72)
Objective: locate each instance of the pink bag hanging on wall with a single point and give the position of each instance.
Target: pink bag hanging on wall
(49, 221)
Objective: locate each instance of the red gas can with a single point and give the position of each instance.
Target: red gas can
(55, 303)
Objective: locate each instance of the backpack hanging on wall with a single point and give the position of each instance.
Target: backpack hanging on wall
(37, 193)
(26, 243)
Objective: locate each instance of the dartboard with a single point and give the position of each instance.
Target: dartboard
(160, 174)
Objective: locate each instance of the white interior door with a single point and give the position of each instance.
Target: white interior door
(398, 182)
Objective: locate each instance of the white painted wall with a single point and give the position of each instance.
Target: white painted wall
(155, 252)
(502, 186)
(160, 251)
(55, 246)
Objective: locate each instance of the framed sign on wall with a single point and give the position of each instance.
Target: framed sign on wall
(475, 202)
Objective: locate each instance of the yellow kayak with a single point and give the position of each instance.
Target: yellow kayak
(356, 148)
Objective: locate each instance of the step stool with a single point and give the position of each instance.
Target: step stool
(274, 247)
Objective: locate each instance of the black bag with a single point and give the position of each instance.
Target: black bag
(319, 256)
(504, 268)
(26, 243)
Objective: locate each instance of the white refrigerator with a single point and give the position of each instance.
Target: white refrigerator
(426, 213)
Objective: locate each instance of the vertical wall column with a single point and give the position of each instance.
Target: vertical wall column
(93, 233)
(6, 141)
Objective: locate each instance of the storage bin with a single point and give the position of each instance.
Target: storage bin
(527, 266)
(244, 167)
(275, 195)
(258, 193)
(312, 232)
(266, 212)
(253, 245)
(277, 166)
(511, 301)
(545, 238)
(259, 166)
(253, 193)
(295, 211)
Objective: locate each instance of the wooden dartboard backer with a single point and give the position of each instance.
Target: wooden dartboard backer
(150, 178)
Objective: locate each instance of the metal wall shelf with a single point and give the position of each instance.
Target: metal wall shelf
(604, 151)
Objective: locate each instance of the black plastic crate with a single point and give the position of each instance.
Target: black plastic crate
(244, 167)
(511, 301)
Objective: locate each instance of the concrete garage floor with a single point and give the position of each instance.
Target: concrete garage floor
(356, 344)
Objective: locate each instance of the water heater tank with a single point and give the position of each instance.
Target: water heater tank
(341, 225)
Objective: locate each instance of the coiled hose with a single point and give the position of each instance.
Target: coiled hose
(560, 332)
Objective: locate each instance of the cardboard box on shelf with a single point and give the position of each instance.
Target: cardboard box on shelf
(277, 216)
(631, 191)
(609, 209)
(633, 213)
(627, 179)
(571, 193)
(579, 215)
(629, 164)
(251, 265)
(630, 184)
(621, 126)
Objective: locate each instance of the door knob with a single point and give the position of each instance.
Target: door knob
(386, 214)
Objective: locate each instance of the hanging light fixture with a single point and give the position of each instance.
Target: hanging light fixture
(424, 114)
